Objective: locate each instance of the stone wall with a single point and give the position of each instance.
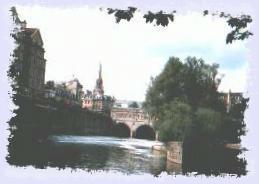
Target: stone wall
(175, 152)
(129, 114)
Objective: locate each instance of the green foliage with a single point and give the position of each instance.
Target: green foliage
(193, 82)
(50, 85)
(134, 105)
(234, 124)
(208, 121)
(176, 121)
(21, 56)
(184, 101)
(162, 88)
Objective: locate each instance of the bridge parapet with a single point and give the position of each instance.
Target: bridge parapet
(130, 114)
(132, 117)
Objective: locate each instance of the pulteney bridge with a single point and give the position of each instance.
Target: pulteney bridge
(133, 122)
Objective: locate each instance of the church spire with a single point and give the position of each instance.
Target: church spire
(99, 83)
(100, 71)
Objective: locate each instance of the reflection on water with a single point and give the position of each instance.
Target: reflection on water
(129, 156)
(106, 153)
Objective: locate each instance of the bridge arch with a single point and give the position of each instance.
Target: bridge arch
(145, 132)
(121, 130)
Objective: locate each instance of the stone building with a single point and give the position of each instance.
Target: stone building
(96, 100)
(88, 100)
(231, 98)
(75, 88)
(33, 63)
(28, 64)
(70, 92)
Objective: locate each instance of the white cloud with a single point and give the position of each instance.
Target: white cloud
(76, 40)
(234, 80)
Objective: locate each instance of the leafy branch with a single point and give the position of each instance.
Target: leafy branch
(238, 24)
(160, 17)
(122, 14)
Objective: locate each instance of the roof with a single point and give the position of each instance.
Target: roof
(35, 34)
(30, 30)
(231, 93)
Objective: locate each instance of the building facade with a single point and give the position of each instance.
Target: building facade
(32, 62)
(96, 100)
(75, 88)
(88, 100)
(231, 99)
(69, 93)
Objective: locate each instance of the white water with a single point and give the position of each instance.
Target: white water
(127, 155)
(139, 145)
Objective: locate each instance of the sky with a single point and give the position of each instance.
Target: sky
(77, 40)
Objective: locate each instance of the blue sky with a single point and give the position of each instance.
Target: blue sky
(131, 52)
(229, 59)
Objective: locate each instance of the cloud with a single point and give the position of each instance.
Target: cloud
(76, 40)
(234, 80)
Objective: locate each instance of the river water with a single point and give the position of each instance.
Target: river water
(126, 155)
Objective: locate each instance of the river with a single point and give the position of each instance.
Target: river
(123, 155)
(126, 155)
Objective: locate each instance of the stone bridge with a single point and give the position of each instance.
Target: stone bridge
(133, 122)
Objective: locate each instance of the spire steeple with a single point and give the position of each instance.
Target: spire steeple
(100, 71)
(99, 91)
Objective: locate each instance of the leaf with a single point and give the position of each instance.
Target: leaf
(205, 12)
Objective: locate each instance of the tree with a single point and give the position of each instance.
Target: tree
(50, 85)
(162, 88)
(175, 124)
(234, 125)
(18, 71)
(193, 82)
(184, 99)
(134, 105)
(208, 121)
